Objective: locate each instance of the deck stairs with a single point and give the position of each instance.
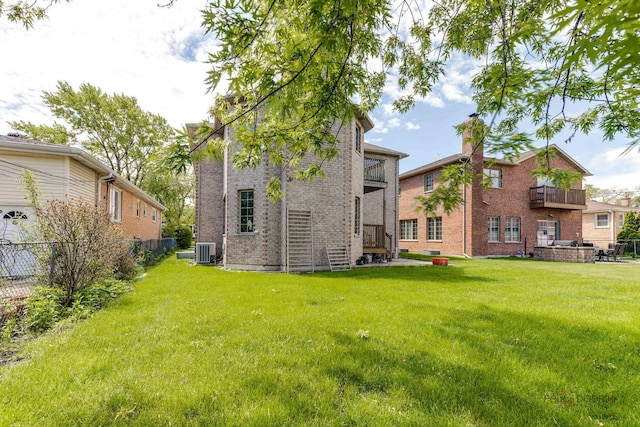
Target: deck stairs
(338, 258)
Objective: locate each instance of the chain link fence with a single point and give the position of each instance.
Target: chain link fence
(23, 266)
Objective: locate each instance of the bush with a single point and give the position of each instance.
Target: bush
(92, 298)
(44, 307)
(127, 265)
(93, 249)
(182, 234)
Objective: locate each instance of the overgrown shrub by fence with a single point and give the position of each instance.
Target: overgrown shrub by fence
(149, 251)
(23, 266)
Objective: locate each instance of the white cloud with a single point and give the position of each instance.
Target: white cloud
(393, 122)
(135, 48)
(411, 126)
(611, 170)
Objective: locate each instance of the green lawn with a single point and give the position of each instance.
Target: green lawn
(478, 343)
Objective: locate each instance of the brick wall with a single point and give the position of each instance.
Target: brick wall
(565, 254)
(331, 200)
(134, 225)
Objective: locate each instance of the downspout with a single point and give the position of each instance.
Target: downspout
(613, 236)
(396, 222)
(464, 222)
(284, 259)
(106, 179)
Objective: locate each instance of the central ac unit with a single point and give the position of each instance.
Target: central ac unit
(205, 252)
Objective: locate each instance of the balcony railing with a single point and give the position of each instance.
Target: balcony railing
(373, 170)
(557, 198)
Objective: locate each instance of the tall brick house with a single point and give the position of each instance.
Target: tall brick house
(351, 210)
(514, 215)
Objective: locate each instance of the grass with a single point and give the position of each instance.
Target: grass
(479, 343)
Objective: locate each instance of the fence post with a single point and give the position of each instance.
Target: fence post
(52, 264)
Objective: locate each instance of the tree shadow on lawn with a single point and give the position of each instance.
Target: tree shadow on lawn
(500, 368)
(406, 273)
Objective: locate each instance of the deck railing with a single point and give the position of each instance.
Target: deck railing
(558, 196)
(373, 236)
(373, 169)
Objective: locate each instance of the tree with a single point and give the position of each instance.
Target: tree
(111, 127)
(175, 192)
(631, 228)
(296, 68)
(26, 13)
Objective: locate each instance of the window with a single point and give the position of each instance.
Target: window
(115, 204)
(494, 176)
(428, 183)
(512, 229)
(14, 215)
(144, 211)
(434, 228)
(356, 228)
(154, 214)
(620, 220)
(602, 220)
(358, 138)
(409, 229)
(494, 228)
(137, 208)
(246, 211)
(548, 231)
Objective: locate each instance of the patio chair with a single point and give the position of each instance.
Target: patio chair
(617, 251)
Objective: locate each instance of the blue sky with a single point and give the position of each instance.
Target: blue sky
(157, 55)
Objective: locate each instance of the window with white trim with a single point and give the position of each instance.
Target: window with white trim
(137, 208)
(144, 210)
(494, 176)
(246, 211)
(428, 183)
(494, 229)
(602, 220)
(512, 229)
(620, 220)
(409, 229)
(154, 214)
(358, 141)
(115, 204)
(434, 229)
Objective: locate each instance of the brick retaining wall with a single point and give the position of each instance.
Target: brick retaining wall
(565, 254)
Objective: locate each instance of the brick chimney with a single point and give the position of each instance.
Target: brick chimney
(472, 135)
(625, 201)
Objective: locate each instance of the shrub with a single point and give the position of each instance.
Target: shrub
(182, 234)
(44, 307)
(127, 265)
(93, 297)
(90, 246)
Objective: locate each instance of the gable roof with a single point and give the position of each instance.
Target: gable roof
(371, 148)
(529, 154)
(462, 157)
(20, 145)
(593, 206)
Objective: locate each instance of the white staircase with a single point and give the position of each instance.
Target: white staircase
(338, 258)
